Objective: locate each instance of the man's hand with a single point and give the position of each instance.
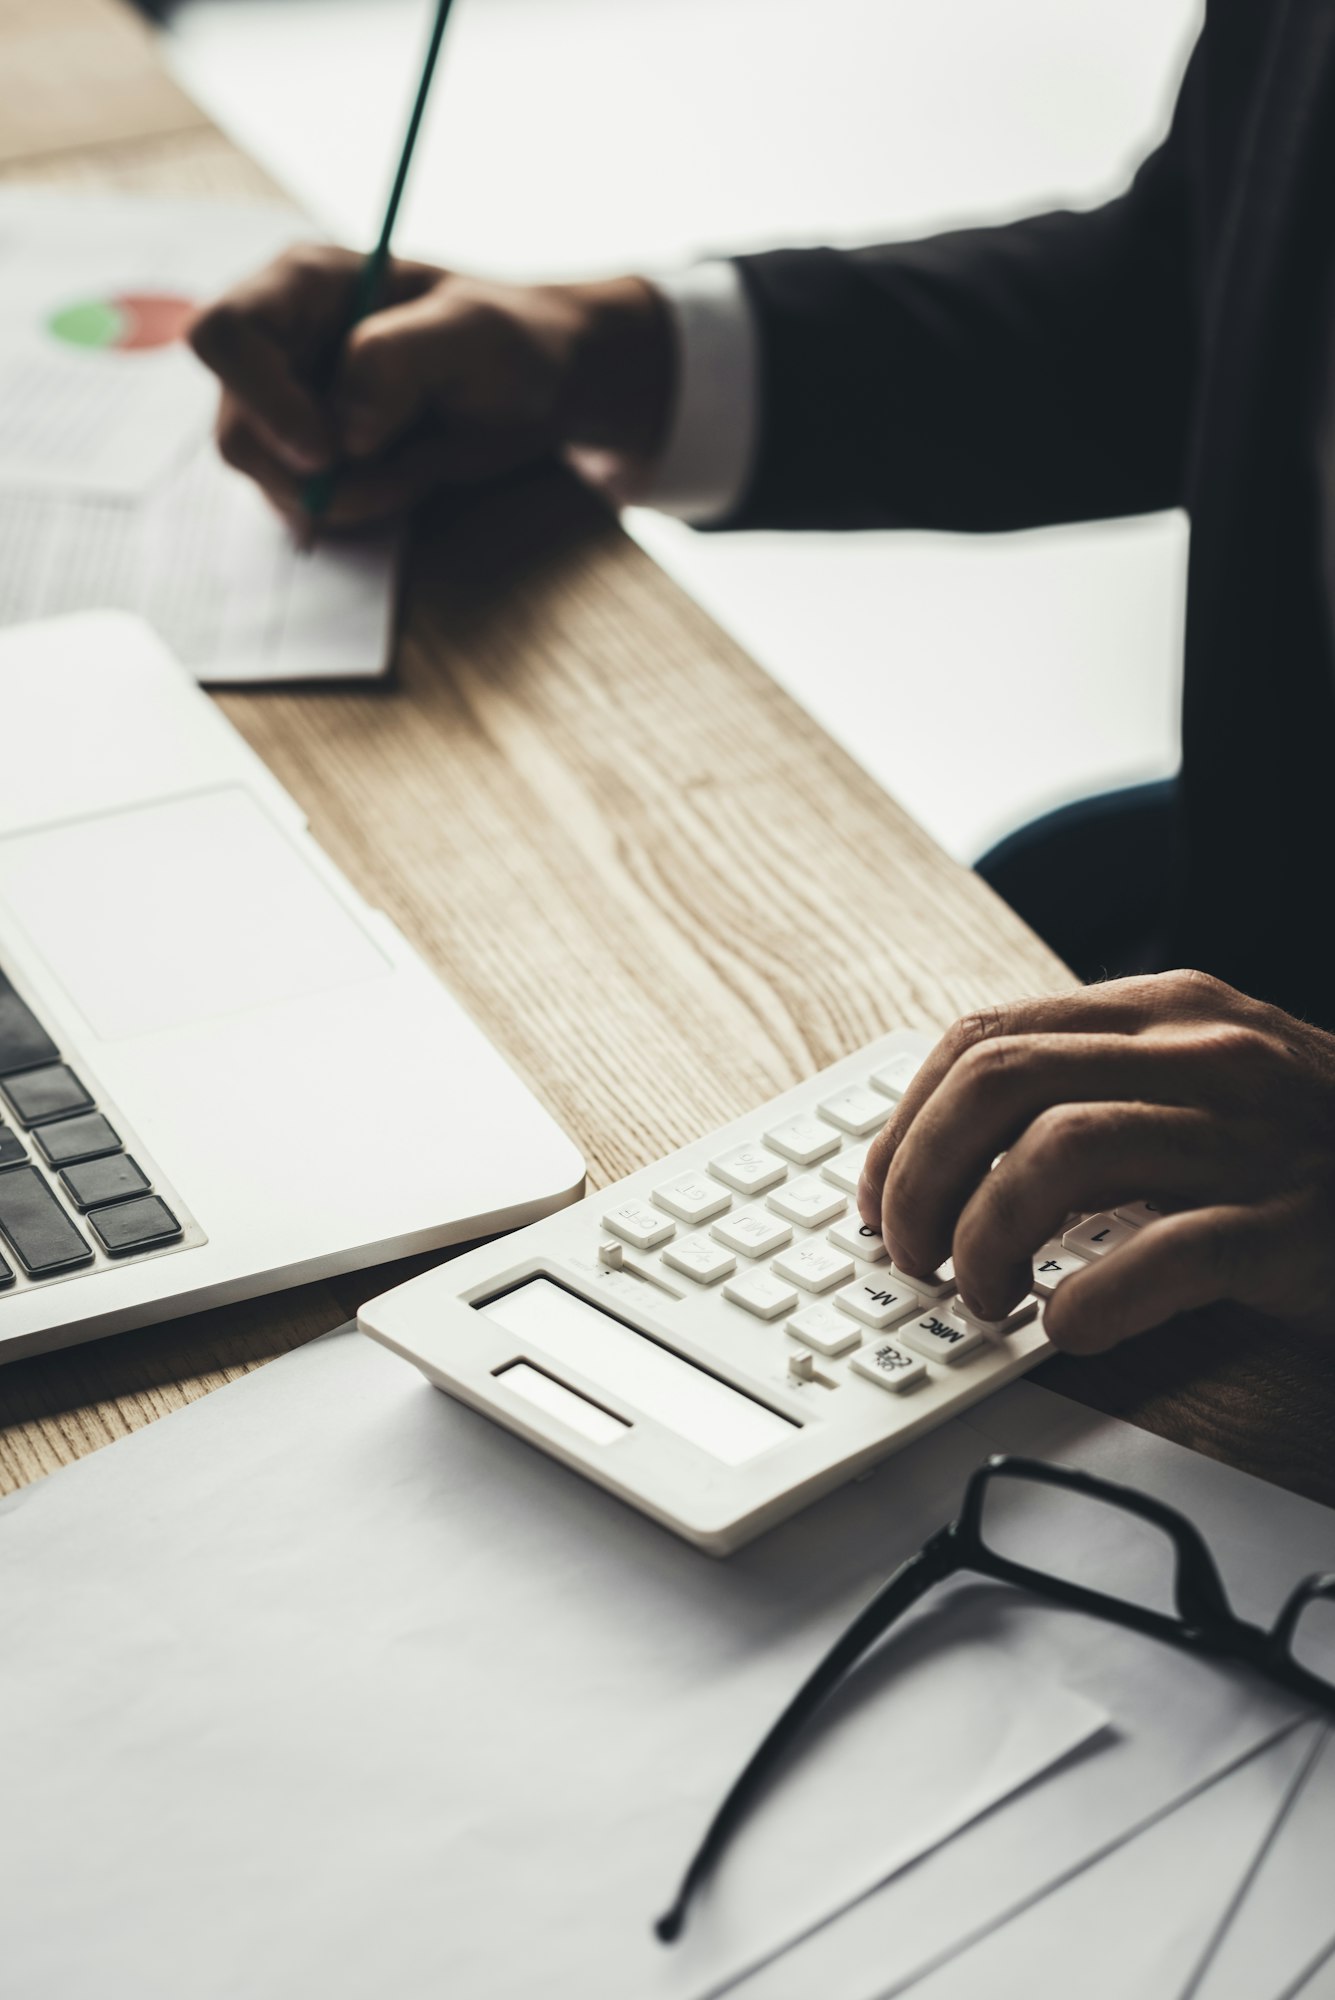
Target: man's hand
(451, 380)
(1173, 1089)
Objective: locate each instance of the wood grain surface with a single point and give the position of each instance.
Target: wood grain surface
(662, 890)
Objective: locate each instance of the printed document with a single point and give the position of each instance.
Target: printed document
(112, 496)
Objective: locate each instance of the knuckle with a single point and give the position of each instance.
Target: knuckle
(1236, 1042)
(213, 331)
(233, 439)
(986, 1064)
(1188, 987)
(972, 1031)
(305, 260)
(1061, 1136)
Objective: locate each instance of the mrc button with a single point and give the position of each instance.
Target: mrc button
(941, 1337)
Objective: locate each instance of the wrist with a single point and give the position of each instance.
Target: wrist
(620, 380)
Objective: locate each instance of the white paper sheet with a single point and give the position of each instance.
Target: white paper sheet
(112, 496)
(1179, 1723)
(1285, 1922)
(1139, 1922)
(210, 565)
(328, 1685)
(95, 396)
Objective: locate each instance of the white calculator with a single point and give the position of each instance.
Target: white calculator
(716, 1338)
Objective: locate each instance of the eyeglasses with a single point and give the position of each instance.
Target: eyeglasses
(1201, 1621)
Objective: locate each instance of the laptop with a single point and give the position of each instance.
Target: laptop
(220, 1071)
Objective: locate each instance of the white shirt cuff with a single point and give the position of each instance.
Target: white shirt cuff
(702, 473)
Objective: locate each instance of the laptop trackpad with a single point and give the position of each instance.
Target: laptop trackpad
(180, 911)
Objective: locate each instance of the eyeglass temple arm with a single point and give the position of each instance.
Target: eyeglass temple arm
(909, 1582)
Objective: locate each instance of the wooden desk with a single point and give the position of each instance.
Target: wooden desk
(617, 840)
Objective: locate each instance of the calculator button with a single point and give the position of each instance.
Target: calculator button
(846, 1171)
(749, 1169)
(814, 1266)
(52, 1092)
(810, 1201)
(700, 1259)
(1097, 1235)
(752, 1231)
(886, 1362)
(691, 1198)
(639, 1225)
(855, 1237)
(941, 1336)
(856, 1110)
(135, 1225)
(826, 1329)
(878, 1306)
(803, 1140)
(761, 1293)
(1138, 1213)
(895, 1076)
(933, 1284)
(997, 1329)
(1051, 1265)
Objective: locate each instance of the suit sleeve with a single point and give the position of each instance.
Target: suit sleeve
(994, 378)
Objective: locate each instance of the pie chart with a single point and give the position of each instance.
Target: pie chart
(130, 322)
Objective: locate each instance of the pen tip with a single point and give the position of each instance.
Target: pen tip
(667, 1929)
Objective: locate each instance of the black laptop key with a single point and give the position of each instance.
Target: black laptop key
(6, 1275)
(71, 1139)
(135, 1225)
(24, 1042)
(52, 1092)
(13, 1152)
(98, 1182)
(36, 1227)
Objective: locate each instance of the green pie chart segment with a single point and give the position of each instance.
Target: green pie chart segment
(129, 322)
(91, 323)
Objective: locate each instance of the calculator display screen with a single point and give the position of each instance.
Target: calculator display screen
(710, 1414)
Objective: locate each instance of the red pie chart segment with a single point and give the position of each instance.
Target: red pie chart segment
(131, 321)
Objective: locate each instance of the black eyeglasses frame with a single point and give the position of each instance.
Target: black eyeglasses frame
(1204, 1624)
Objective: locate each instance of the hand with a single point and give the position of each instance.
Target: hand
(451, 380)
(1173, 1089)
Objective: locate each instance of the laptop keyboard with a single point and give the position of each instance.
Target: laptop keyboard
(71, 1192)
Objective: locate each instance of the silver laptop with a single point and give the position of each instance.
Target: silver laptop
(220, 1071)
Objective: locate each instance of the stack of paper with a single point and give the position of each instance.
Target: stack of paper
(111, 494)
(328, 1685)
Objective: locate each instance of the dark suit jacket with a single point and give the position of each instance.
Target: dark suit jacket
(1164, 350)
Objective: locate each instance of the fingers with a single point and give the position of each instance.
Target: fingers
(1088, 1157)
(259, 369)
(981, 1106)
(1173, 1266)
(390, 375)
(977, 1047)
(270, 341)
(243, 448)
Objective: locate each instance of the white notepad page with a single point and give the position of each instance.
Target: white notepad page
(179, 539)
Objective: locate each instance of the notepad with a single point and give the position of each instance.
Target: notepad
(112, 495)
(211, 566)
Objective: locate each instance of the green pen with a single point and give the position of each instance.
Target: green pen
(318, 491)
